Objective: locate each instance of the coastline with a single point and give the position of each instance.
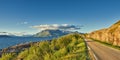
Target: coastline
(17, 48)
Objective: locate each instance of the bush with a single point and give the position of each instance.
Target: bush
(68, 47)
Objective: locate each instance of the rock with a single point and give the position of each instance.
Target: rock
(109, 35)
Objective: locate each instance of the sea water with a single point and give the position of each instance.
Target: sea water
(11, 41)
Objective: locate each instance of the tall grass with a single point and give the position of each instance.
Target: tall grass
(69, 47)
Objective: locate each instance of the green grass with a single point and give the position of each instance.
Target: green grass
(107, 44)
(69, 47)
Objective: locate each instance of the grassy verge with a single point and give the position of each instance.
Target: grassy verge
(107, 44)
(69, 47)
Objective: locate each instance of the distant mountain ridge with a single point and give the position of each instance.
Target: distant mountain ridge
(14, 34)
(4, 36)
(51, 33)
(110, 35)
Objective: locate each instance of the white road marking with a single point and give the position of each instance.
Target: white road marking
(89, 48)
(95, 57)
(93, 53)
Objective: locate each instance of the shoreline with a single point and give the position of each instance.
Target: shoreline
(17, 48)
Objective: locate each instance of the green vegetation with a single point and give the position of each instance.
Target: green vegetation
(69, 47)
(107, 44)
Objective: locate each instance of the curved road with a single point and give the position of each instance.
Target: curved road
(103, 52)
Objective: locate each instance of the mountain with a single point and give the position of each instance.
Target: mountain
(4, 36)
(51, 33)
(109, 35)
(21, 34)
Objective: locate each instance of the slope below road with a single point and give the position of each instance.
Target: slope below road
(103, 52)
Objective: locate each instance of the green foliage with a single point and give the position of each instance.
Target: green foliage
(69, 47)
(8, 56)
(23, 54)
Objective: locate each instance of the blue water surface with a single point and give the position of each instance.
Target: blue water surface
(11, 41)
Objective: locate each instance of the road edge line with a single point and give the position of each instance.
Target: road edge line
(92, 53)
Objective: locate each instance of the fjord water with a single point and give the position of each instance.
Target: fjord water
(11, 41)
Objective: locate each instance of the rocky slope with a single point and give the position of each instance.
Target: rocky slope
(110, 35)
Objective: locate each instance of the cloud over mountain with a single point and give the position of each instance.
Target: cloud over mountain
(57, 26)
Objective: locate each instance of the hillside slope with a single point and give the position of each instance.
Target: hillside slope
(68, 47)
(110, 35)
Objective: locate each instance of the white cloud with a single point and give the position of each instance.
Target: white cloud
(56, 26)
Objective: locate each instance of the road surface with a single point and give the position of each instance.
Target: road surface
(103, 52)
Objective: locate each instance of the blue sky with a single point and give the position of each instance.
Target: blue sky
(19, 15)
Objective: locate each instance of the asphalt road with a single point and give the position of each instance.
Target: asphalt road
(103, 52)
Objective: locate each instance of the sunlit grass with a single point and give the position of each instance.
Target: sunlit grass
(69, 47)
